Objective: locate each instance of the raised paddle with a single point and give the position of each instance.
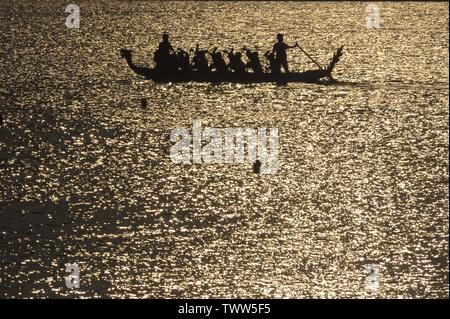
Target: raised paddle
(310, 57)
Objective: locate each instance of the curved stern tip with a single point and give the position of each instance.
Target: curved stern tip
(336, 58)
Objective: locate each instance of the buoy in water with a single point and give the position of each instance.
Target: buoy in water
(257, 167)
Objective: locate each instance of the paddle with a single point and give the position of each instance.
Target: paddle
(310, 57)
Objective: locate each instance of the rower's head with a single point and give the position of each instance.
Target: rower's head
(165, 37)
(280, 37)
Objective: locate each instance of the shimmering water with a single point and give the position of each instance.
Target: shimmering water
(85, 173)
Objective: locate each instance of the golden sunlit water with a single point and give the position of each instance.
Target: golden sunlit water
(86, 177)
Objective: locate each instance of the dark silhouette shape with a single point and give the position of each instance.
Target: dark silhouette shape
(1, 119)
(336, 57)
(178, 68)
(183, 60)
(253, 61)
(218, 63)
(257, 167)
(199, 62)
(165, 57)
(235, 63)
(230, 56)
(279, 49)
(143, 103)
(274, 65)
(128, 56)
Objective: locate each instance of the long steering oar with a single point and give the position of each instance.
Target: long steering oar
(310, 57)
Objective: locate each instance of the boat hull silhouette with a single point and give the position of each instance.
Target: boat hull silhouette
(159, 76)
(214, 77)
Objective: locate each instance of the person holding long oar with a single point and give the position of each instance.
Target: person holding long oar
(279, 49)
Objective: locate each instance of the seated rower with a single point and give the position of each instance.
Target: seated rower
(183, 60)
(199, 62)
(230, 56)
(274, 65)
(218, 63)
(236, 64)
(253, 61)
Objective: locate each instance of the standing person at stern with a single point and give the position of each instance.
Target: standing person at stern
(279, 49)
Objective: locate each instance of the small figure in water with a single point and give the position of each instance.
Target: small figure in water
(163, 57)
(257, 166)
(218, 63)
(253, 61)
(279, 49)
(199, 62)
(143, 103)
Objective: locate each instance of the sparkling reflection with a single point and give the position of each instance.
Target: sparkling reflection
(86, 175)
